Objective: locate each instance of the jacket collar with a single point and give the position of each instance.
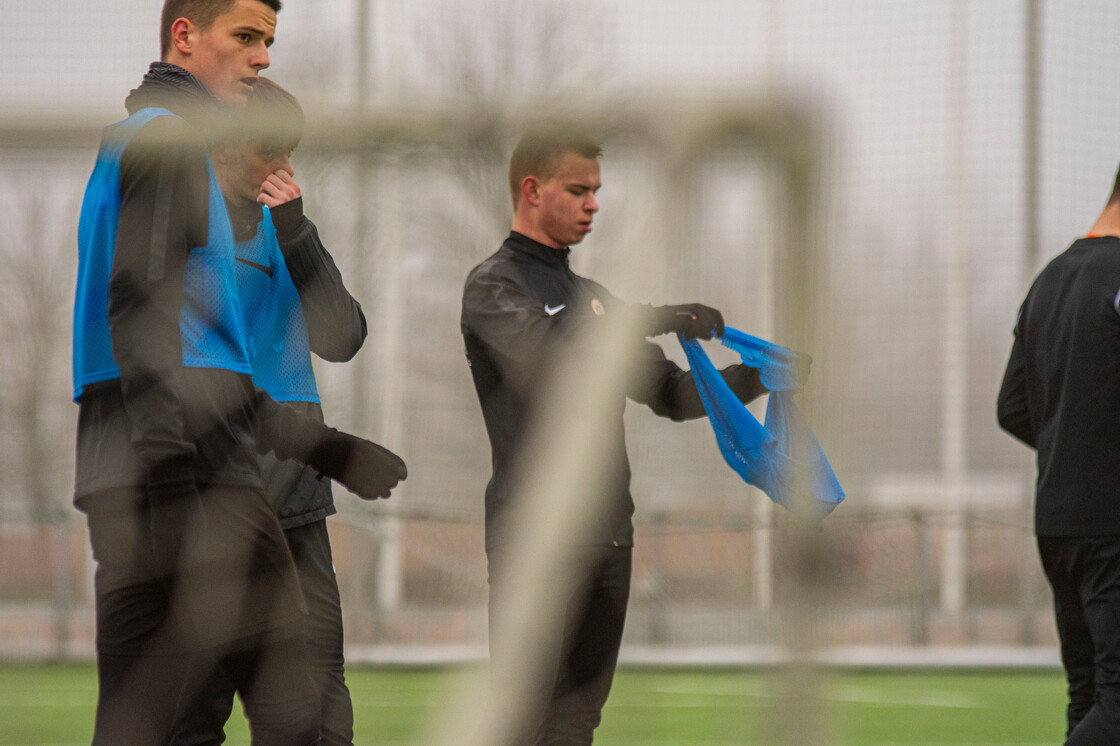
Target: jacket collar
(552, 257)
(245, 220)
(173, 88)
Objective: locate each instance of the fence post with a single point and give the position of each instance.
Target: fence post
(63, 604)
(920, 627)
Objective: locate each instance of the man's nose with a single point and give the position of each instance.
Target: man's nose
(260, 59)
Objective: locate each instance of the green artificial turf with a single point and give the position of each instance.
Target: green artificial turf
(54, 704)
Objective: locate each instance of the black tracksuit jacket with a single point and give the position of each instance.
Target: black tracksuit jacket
(1061, 389)
(336, 329)
(521, 308)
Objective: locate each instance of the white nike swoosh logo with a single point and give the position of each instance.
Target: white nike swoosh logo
(553, 311)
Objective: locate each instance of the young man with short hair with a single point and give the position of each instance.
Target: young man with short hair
(523, 308)
(294, 303)
(189, 555)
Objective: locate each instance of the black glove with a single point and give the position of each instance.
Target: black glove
(691, 320)
(364, 468)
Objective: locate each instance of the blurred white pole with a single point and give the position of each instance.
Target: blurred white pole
(763, 547)
(379, 366)
(799, 718)
(763, 554)
(389, 321)
(390, 382)
(954, 393)
(1033, 135)
(1032, 158)
(357, 415)
(360, 282)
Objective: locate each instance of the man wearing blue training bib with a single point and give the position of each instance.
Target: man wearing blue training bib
(294, 304)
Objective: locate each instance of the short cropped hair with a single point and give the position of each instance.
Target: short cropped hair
(201, 13)
(271, 117)
(542, 147)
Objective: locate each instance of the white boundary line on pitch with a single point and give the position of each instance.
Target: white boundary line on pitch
(743, 656)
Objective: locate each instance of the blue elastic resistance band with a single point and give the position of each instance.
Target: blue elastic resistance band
(783, 453)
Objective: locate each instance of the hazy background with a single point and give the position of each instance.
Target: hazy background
(923, 246)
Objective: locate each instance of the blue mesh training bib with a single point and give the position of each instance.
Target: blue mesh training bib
(210, 319)
(275, 328)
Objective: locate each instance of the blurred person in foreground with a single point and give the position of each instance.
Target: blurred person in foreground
(189, 555)
(294, 303)
(1061, 396)
(524, 312)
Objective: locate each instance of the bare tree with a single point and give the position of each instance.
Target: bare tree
(496, 56)
(37, 249)
(491, 58)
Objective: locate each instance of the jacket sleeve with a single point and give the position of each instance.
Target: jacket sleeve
(671, 392)
(164, 213)
(1012, 409)
(508, 319)
(336, 326)
(284, 430)
(666, 388)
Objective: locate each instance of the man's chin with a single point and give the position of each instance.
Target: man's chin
(235, 96)
(233, 99)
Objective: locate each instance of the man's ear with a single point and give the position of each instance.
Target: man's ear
(531, 190)
(182, 36)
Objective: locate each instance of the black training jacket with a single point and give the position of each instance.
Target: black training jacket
(209, 424)
(336, 329)
(522, 308)
(1061, 390)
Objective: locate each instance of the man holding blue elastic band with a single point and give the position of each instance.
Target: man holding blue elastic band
(524, 313)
